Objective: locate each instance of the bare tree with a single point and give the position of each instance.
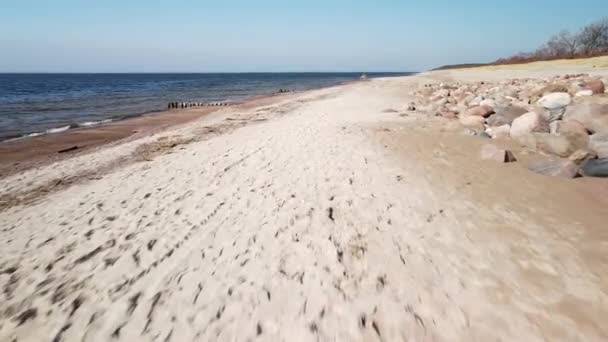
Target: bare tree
(563, 44)
(594, 37)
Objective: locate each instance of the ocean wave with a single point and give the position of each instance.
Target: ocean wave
(60, 129)
(93, 123)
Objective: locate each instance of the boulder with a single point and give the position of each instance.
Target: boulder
(555, 168)
(556, 104)
(595, 168)
(581, 156)
(499, 131)
(505, 115)
(572, 128)
(473, 122)
(593, 115)
(596, 86)
(548, 89)
(555, 100)
(558, 145)
(598, 143)
(488, 103)
(528, 123)
(493, 153)
(483, 111)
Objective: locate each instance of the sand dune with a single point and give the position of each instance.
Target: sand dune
(330, 215)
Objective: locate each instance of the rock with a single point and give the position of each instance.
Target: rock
(483, 111)
(552, 88)
(572, 128)
(411, 107)
(488, 103)
(598, 143)
(499, 132)
(595, 168)
(441, 102)
(528, 123)
(473, 122)
(594, 116)
(596, 86)
(556, 104)
(586, 92)
(555, 100)
(558, 145)
(491, 152)
(476, 101)
(442, 93)
(555, 168)
(581, 156)
(505, 115)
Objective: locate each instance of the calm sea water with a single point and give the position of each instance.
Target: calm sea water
(33, 104)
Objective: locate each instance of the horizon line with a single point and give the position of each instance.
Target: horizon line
(204, 72)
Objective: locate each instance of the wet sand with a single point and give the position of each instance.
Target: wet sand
(18, 155)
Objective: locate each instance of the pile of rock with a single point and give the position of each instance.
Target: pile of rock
(565, 117)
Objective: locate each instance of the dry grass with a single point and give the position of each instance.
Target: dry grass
(597, 62)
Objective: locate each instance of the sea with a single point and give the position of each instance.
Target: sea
(37, 104)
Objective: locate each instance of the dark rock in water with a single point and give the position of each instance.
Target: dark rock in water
(595, 168)
(555, 168)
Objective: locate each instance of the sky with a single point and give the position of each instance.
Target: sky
(275, 35)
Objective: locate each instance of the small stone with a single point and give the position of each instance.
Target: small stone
(493, 153)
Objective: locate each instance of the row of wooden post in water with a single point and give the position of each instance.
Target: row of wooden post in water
(177, 105)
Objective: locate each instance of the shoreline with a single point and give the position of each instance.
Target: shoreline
(21, 154)
(30, 151)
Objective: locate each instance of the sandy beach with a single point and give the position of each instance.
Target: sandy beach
(328, 215)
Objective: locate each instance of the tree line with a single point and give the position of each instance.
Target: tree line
(589, 41)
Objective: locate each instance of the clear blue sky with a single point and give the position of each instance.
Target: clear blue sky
(273, 35)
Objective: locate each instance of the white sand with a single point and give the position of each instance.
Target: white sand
(321, 217)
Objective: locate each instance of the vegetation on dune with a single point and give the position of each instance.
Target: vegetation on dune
(590, 41)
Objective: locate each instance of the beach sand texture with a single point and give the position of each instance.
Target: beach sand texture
(329, 215)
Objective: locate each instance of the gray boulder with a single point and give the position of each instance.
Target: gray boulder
(555, 168)
(595, 168)
(598, 143)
